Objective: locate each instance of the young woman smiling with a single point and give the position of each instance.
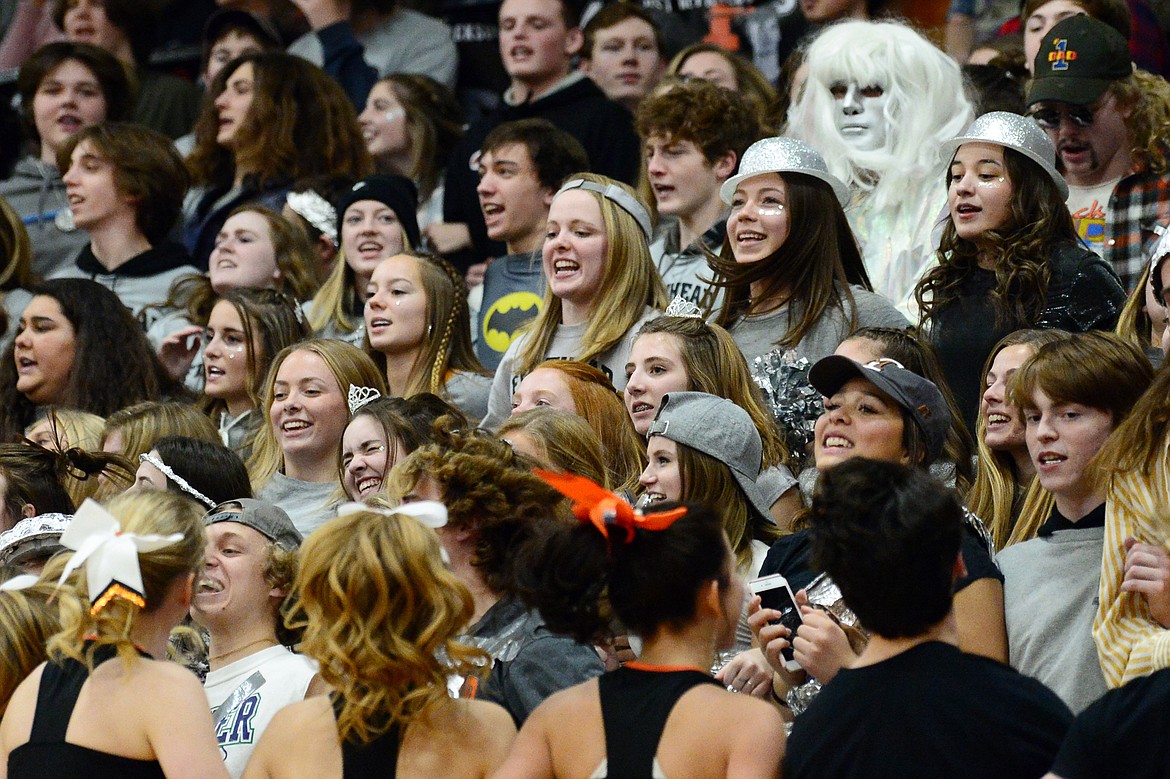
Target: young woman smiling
(882, 411)
(1005, 468)
(685, 354)
(792, 270)
(376, 438)
(1009, 255)
(294, 457)
(602, 285)
(418, 332)
(246, 329)
(375, 221)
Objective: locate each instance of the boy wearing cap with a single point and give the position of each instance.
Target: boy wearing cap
(252, 549)
(912, 704)
(1104, 117)
(693, 136)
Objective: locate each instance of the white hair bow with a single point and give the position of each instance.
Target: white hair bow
(96, 537)
(431, 513)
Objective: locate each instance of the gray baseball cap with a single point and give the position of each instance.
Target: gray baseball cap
(918, 396)
(269, 520)
(718, 428)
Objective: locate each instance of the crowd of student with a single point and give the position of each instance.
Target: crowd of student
(403, 405)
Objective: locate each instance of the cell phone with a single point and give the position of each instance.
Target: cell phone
(775, 594)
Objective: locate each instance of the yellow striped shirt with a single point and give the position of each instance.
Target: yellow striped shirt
(1130, 644)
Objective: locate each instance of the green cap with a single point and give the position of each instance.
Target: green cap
(1077, 61)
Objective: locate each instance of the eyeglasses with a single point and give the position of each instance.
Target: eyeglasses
(1050, 118)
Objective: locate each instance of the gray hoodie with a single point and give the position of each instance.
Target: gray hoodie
(36, 192)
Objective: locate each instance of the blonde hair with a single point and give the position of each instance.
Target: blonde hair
(708, 481)
(143, 424)
(143, 512)
(447, 316)
(78, 435)
(335, 302)
(349, 367)
(629, 283)
(1133, 324)
(27, 622)
(378, 608)
(566, 441)
(600, 405)
(992, 497)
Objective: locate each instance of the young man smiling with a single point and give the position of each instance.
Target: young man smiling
(251, 560)
(1101, 115)
(693, 136)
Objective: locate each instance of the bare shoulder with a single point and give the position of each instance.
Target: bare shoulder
(311, 712)
(752, 716)
(17, 724)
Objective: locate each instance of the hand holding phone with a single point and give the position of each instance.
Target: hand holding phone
(775, 594)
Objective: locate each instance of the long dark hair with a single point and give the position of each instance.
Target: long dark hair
(1039, 223)
(817, 263)
(113, 365)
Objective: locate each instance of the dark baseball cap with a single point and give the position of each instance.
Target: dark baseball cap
(1078, 59)
(916, 395)
(258, 27)
(269, 520)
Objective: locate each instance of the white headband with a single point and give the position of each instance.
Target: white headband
(620, 198)
(316, 210)
(180, 482)
(96, 537)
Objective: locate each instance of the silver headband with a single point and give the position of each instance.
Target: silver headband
(180, 482)
(316, 210)
(620, 198)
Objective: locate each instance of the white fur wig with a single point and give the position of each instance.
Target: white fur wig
(926, 106)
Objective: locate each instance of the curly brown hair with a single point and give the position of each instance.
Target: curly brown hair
(1149, 121)
(300, 123)
(716, 120)
(1039, 222)
(487, 487)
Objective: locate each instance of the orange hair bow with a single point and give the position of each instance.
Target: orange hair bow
(603, 509)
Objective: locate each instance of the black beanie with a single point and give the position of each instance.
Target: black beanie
(397, 192)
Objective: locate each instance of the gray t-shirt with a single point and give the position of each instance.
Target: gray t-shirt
(1050, 601)
(759, 335)
(308, 504)
(565, 345)
(469, 392)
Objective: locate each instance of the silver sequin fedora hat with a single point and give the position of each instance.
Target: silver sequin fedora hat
(783, 155)
(1015, 132)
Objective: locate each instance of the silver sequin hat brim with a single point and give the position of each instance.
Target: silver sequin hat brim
(783, 155)
(1015, 132)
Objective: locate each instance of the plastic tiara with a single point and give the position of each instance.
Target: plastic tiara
(683, 308)
(316, 210)
(619, 196)
(360, 396)
(180, 482)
